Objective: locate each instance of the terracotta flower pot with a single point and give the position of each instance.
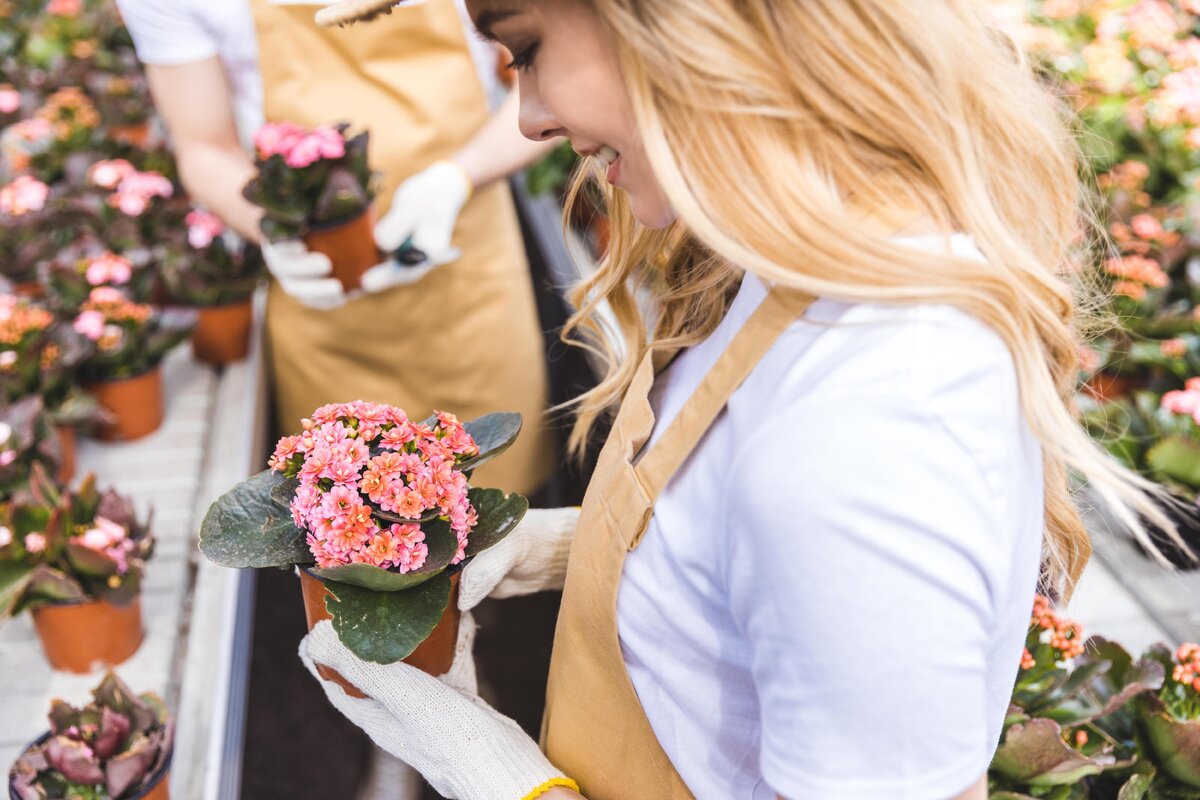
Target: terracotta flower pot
(222, 333)
(135, 403)
(66, 447)
(79, 637)
(434, 655)
(350, 245)
(136, 134)
(1106, 387)
(30, 289)
(156, 788)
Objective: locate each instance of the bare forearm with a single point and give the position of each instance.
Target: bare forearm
(214, 176)
(560, 793)
(498, 149)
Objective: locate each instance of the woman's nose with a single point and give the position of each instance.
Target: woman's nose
(536, 122)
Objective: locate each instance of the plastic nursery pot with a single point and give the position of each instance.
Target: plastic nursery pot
(30, 289)
(434, 655)
(222, 333)
(81, 637)
(349, 244)
(1106, 387)
(136, 404)
(66, 447)
(155, 787)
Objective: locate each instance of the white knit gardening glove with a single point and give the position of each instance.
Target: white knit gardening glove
(533, 558)
(424, 209)
(465, 748)
(303, 274)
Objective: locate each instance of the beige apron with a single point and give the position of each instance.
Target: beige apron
(595, 730)
(466, 338)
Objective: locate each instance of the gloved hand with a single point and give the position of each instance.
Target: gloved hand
(424, 210)
(463, 747)
(533, 558)
(303, 274)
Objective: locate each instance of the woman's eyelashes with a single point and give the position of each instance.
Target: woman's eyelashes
(523, 57)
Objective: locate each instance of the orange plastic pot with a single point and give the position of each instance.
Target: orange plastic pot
(30, 289)
(1106, 387)
(350, 245)
(435, 655)
(155, 788)
(136, 134)
(222, 333)
(136, 405)
(66, 448)
(81, 637)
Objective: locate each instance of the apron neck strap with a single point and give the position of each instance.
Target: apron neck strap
(781, 307)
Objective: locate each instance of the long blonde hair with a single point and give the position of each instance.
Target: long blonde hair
(761, 116)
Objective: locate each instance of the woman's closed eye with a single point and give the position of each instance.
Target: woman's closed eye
(523, 57)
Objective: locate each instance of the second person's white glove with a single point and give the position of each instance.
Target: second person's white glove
(533, 558)
(424, 213)
(303, 274)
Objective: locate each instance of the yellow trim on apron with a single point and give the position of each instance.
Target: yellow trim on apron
(465, 339)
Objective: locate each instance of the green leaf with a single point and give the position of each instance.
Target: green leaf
(1035, 754)
(1174, 744)
(386, 627)
(494, 434)
(246, 527)
(89, 562)
(48, 585)
(1176, 458)
(1137, 787)
(14, 579)
(443, 546)
(499, 515)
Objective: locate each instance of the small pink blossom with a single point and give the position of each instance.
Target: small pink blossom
(25, 195)
(7, 457)
(203, 228)
(109, 268)
(64, 8)
(10, 100)
(90, 324)
(6, 536)
(304, 153)
(109, 174)
(35, 542)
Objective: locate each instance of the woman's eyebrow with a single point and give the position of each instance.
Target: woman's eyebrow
(485, 21)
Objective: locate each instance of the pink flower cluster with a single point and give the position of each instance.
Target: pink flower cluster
(109, 539)
(299, 147)
(203, 228)
(1185, 401)
(108, 269)
(356, 459)
(10, 99)
(25, 195)
(132, 190)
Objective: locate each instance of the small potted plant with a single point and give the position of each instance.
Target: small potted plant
(124, 102)
(23, 214)
(28, 441)
(217, 273)
(124, 372)
(117, 747)
(40, 355)
(317, 185)
(1169, 725)
(376, 511)
(75, 559)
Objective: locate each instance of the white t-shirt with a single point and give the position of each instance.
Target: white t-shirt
(186, 31)
(834, 590)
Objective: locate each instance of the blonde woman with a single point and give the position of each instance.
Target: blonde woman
(806, 564)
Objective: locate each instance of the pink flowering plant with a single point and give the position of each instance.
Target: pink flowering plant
(28, 442)
(117, 746)
(129, 338)
(208, 265)
(309, 178)
(69, 546)
(378, 507)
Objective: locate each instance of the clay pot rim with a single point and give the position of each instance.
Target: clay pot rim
(451, 570)
(245, 301)
(155, 779)
(68, 603)
(113, 381)
(329, 225)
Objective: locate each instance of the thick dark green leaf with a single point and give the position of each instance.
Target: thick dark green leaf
(386, 627)
(247, 528)
(1174, 745)
(499, 514)
(494, 434)
(89, 562)
(14, 579)
(443, 545)
(284, 490)
(1137, 787)
(52, 586)
(1035, 754)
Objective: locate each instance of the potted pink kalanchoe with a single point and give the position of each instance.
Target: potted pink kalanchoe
(317, 185)
(378, 513)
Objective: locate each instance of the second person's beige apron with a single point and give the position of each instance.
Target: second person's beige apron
(595, 730)
(465, 339)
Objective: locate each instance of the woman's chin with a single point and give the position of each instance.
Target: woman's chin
(654, 215)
